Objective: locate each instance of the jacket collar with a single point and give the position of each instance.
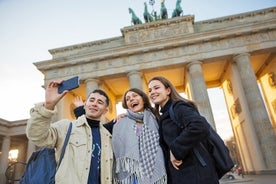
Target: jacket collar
(166, 106)
(82, 121)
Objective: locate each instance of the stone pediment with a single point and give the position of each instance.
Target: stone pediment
(157, 30)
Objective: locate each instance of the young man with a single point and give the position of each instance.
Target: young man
(88, 157)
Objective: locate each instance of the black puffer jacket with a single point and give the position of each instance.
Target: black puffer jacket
(182, 141)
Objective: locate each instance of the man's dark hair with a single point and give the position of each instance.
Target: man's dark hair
(101, 92)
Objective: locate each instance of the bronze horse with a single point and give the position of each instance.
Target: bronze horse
(147, 15)
(134, 19)
(178, 10)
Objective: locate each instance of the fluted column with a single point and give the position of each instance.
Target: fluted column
(135, 80)
(4, 161)
(256, 108)
(199, 91)
(91, 85)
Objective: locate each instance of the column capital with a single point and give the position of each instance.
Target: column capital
(91, 85)
(92, 80)
(135, 79)
(134, 73)
(7, 137)
(236, 57)
(194, 63)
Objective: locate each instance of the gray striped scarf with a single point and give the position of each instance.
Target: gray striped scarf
(138, 156)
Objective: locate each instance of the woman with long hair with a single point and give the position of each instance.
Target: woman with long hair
(178, 142)
(138, 155)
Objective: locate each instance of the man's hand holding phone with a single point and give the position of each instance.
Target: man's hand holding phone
(56, 90)
(69, 84)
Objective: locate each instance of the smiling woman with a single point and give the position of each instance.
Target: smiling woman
(138, 155)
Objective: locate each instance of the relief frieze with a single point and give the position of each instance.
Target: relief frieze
(151, 34)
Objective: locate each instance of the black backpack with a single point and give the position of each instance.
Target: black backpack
(216, 148)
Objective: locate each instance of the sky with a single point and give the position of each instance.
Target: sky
(29, 28)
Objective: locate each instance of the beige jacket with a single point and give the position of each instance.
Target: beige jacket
(75, 165)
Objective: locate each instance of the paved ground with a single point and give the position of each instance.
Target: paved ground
(252, 179)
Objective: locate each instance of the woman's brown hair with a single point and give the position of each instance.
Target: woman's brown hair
(174, 95)
(147, 104)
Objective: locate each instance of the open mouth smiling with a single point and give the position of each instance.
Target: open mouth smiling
(134, 105)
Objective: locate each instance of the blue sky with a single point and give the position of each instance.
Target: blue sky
(29, 28)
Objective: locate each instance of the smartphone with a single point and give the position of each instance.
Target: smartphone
(69, 84)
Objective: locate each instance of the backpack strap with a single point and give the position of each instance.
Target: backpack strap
(196, 152)
(65, 144)
(199, 157)
(172, 116)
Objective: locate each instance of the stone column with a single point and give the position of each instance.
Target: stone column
(135, 79)
(250, 153)
(4, 161)
(256, 107)
(91, 85)
(199, 91)
(19, 168)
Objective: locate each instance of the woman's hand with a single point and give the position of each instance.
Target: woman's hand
(78, 101)
(175, 163)
(119, 117)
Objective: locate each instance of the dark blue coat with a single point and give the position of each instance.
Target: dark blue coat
(182, 141)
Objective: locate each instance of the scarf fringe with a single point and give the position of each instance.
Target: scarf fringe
(128, 180)
(126, 165)
(132, 166)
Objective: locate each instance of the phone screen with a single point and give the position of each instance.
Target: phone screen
(69, 84)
